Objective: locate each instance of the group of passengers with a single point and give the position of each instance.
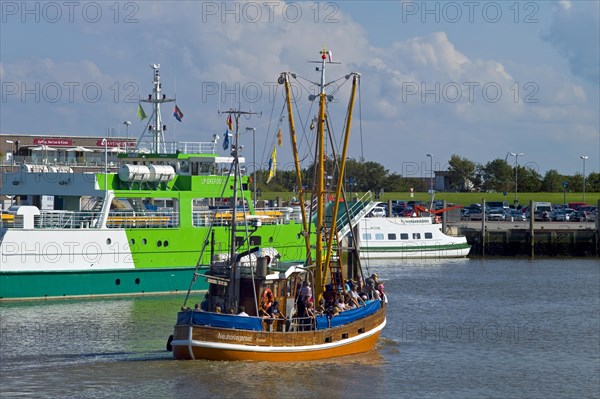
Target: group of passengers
(333, 303)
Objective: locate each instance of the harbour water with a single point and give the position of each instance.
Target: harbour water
(471, 328)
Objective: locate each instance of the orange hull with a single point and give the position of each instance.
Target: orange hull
(182, 353)
(195, 342)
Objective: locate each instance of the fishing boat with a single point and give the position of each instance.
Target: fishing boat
(408, 238)
(264, 309)
(136, 227)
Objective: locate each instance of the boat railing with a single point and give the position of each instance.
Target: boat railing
(282, 215)
(53, 219)
(130, 219)
(301, 324)
(65, 219)
(192, 147)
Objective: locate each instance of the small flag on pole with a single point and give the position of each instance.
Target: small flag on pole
(229, 122)
(279, 137)
(177, 113)
(226, 141)
(140, 112)
(272, 164)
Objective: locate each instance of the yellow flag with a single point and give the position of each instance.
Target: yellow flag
(279, 137)
(140, 113)
(272, 164)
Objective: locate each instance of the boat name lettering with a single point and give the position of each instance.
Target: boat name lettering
(416, 221)
(231, 337)
(211, 180)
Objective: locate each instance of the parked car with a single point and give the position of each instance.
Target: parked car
(578, 216)
(495, 214)
(474, 214)
(516, 215)
(560, 215)
(377, 212)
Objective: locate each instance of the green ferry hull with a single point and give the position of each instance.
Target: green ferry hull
(51, 285)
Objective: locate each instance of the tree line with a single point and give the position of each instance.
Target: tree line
(462, 175)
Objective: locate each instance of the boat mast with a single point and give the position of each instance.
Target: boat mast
(320, 186)
(234, 282)
(285, 79)
(155, 131)
(342, 170)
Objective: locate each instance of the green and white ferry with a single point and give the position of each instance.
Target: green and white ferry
(139, 227)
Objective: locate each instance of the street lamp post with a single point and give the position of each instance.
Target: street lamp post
(584, 157)
(127, 123)
(430, 181)
(253, 130)
(516, 155)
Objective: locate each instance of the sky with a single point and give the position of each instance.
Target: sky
(477, 79)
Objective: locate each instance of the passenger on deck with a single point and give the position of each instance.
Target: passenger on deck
(266, 302)
(340, 305)
(372, 283)
(197, 307)
(217, 309)
(348, 303)
(274, 311)
(204, 305)
(305, 291)
(242, 311)
(355, 298)
(320, 309)
(382, 293)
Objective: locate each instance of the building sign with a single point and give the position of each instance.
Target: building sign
(115, 143)
(52, 141)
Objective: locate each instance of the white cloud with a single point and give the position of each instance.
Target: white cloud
(196, 49)
(575, 33)
(565, 4)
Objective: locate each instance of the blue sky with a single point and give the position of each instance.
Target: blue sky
(477, 79)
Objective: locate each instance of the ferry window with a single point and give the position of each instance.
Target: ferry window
(379, 236)
(392, 236)
(239, 241)
(255, 240)
(366, 236)
(195, 168)
(416, 236)
(404, 236)
(428, 236)
(205, 169)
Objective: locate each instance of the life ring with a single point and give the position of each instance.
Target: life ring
(267, 295)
